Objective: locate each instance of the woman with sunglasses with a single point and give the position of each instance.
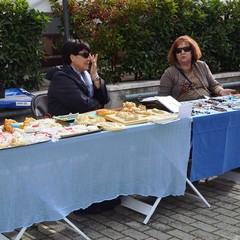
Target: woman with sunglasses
(74, 89)
(188, 78)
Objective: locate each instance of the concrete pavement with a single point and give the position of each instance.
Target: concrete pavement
(184, 218)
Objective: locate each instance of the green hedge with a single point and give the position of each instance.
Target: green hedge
(21, 47)
(134, 36)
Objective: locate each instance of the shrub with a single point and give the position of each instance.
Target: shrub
(20, 43)
(134, 36)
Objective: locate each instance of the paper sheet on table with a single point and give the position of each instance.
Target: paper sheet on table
(185, 110)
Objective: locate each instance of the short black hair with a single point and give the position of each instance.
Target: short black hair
(73, 46)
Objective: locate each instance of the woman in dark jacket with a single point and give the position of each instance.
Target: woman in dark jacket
(75, 90)
(72, 88)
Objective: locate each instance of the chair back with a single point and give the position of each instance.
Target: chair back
(39, 106)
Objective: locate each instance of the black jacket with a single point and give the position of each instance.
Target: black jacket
(67, 93)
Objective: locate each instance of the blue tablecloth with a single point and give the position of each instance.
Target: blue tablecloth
(215, 144)
(45, 182)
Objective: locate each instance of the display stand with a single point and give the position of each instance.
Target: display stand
(148, 209)
(70, 226)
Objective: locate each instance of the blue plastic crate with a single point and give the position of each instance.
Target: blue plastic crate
(16, 98)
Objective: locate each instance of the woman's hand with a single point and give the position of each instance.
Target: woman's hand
(226, 92)
(93, 70)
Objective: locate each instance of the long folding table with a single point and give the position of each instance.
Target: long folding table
(215, 144)
(47, 181)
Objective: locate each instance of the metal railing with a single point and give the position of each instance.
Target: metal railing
(231, 85)
(138, 96)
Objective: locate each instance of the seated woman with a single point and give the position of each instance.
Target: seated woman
(188, 78)
(75, 90)
(72, 88)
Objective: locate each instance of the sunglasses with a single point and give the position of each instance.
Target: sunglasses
(84, 54)
(185, 49)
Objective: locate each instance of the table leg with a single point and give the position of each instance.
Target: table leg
(18, 237)
(75, 228)
(71, 226)
(139, 206)
(3, 237)
(198, 193)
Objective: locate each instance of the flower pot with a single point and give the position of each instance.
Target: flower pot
(2, 90)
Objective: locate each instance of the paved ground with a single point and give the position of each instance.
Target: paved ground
(184, 218)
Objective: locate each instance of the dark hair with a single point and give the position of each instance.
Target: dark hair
(73, 46)
(196, 52)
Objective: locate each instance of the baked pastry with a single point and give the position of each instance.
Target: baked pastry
(111, 126)
(41, 125)
(131, 117)
(103, 112)
(27, 121)
(7, 125)
(158, 111)
(129, 105)
(122, 114)
(88, 120)
(127, 116)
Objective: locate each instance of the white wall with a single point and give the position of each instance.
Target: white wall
(41, 5)
(44, 6)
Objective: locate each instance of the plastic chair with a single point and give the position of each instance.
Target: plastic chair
(39, 106)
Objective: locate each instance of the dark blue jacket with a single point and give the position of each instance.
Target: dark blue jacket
(67, 93)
